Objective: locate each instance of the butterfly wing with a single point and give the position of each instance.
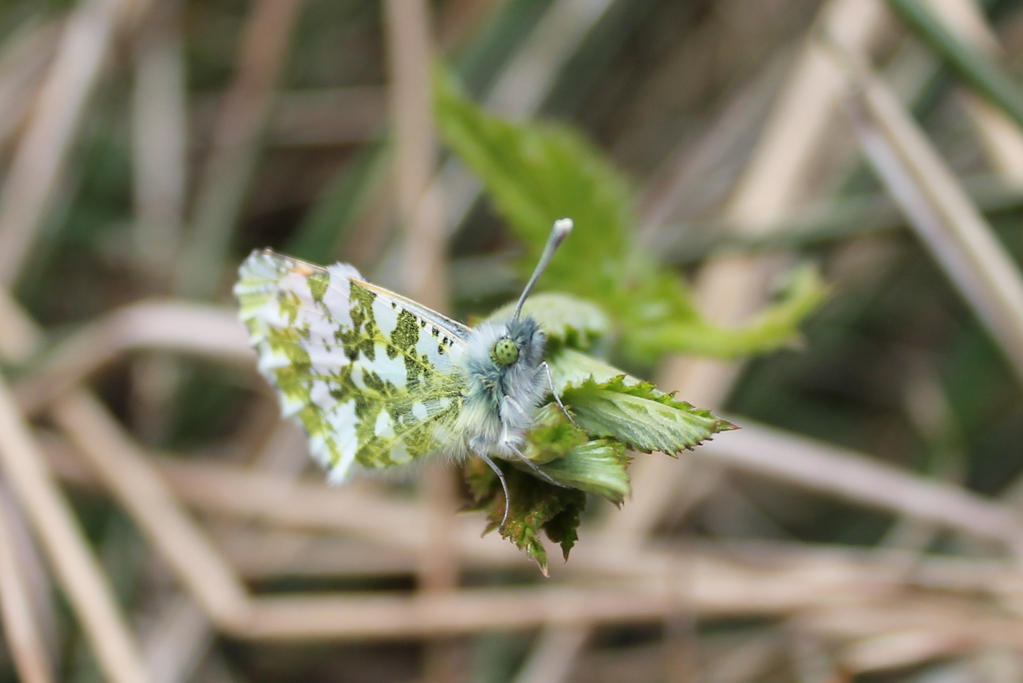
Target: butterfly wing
(368, 373)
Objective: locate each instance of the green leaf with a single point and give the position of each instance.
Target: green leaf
(640, 416)
(536, 507)
(566, 320)
(772, 328)
(553, 437)
(607, 402)
(597, 466)
(566, 453)
(563, 528)
(572, 368)
(612, 411)
(535, 173)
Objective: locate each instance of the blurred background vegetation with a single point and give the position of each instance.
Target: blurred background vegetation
(158, 522)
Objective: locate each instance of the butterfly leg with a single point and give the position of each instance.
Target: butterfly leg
(533, 466)
(554, 392)
(507, 442)
(500, 477)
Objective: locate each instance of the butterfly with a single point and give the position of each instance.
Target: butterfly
(378, 380)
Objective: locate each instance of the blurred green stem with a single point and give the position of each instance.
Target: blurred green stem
(984, 75)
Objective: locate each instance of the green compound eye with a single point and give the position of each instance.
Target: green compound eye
(504, 352)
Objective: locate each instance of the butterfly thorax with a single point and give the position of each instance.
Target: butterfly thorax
(505, 383)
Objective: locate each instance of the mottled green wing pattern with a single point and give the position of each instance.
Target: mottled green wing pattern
(370, 375)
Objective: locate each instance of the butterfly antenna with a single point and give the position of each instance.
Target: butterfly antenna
(559, 232)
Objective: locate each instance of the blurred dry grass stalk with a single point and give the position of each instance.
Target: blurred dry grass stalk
(219, 522)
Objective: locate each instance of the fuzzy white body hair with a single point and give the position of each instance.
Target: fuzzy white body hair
(501, 400)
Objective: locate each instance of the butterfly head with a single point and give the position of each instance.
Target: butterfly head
(504, 359)
(520, 342)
